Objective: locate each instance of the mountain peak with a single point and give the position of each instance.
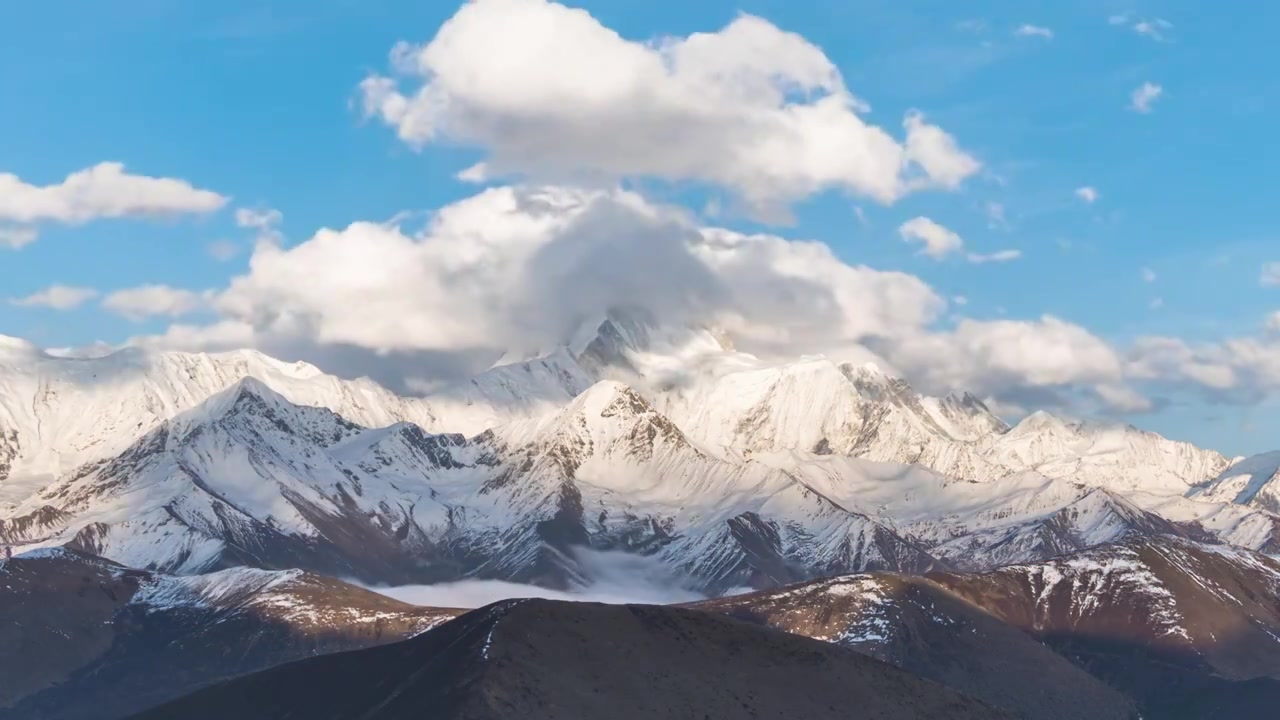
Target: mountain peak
(609, 398)
(251, 399)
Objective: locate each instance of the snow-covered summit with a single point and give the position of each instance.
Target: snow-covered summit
(1252, 481)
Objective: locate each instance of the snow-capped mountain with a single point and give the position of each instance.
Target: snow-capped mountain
(723, 398)
(248, 478)
(725, 468)
(59, 413)
(973, 525)
(1253, 481)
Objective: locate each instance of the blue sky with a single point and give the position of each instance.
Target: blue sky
(258, 102)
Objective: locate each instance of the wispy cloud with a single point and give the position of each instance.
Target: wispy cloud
(996, 219)
(996, 257)
(1270, 275)
(57, 297)
(937, 241)
(222, 250)
(1088, 193)
(1154, 29)
(1028, 30)
(1145, 96)
(17, 237)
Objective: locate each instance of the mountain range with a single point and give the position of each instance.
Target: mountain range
(186, 489)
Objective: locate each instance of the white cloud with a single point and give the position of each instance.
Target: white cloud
(937, 241)
(57, 297)
(606, 577)
(1272, 323)
(1122, 398)
(960, 300)
(1087, 193)
(1144, 97)
(16, 238)
(223, 250)
(552, 94)
(147, 301)
(1034, 31)
(1000, 357)
(95, 349)
(1270, 275)
(1148, 275)
(261, 220)
(1154, 28)
(1156, 303)
(1173, 360)
(524, 267)
(102, 191)
(996, 257)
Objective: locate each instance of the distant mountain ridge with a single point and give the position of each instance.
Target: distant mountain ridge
(727, 470)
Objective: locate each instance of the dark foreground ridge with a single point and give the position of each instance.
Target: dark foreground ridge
(542, 659)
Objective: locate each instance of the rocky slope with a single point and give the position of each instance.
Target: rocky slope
(544, 659)
(85, 638)
(921, 627)
(1185, 630)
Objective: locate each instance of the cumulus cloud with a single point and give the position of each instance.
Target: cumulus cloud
(16, 238)
(1241, 369)
(1270, 275)
(552, 94)
(1002, 357)
(57, 297)
(1087, 193)
(524, 267)
(102, 191)
(146, 301)
(936, 241)
(1029, 30)
(1142, 99)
